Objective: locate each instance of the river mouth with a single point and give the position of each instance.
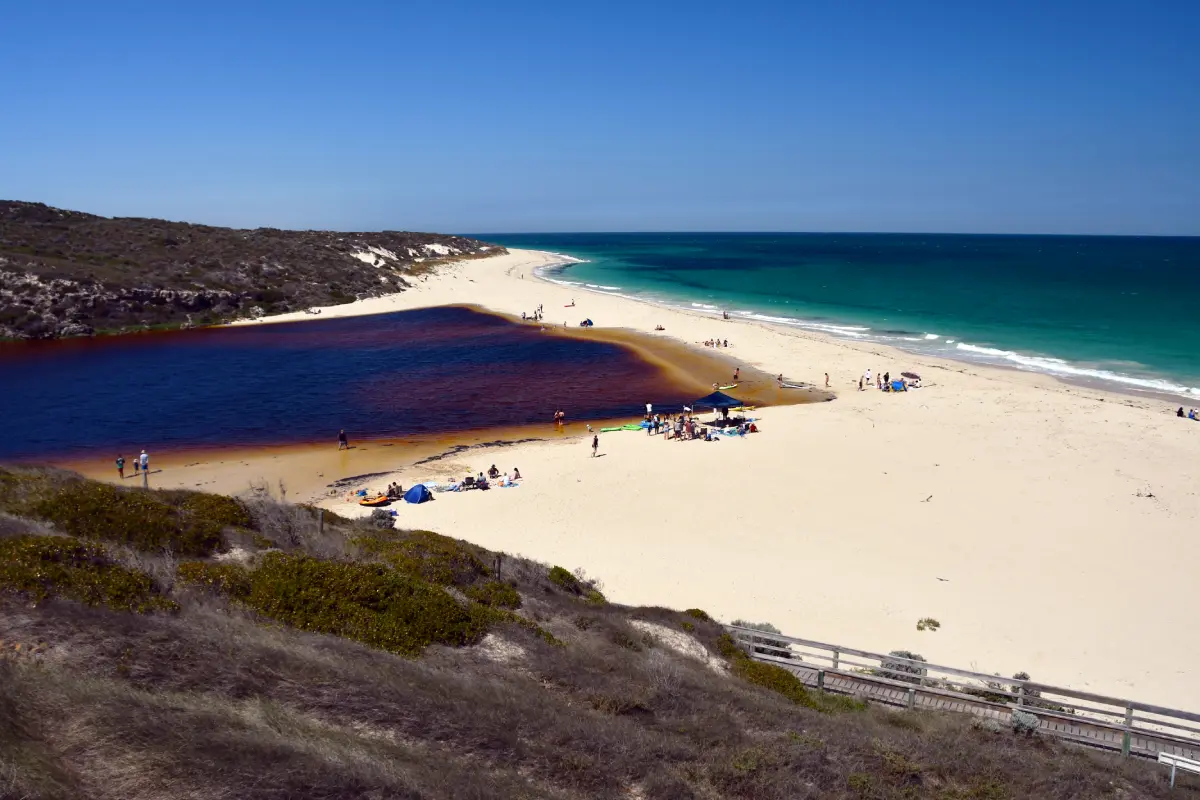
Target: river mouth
(412, 379)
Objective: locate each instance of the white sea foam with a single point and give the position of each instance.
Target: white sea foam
(1057, 366)
(932, 336)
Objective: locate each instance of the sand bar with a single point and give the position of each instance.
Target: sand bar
(1049, 528)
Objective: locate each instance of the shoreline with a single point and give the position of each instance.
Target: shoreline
(1119, 384)
(1029, 516)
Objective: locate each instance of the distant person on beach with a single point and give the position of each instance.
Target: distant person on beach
(1178, 413)
(121, 459)
(595, 445)
(860, 381)
(493, 472)
(867, 375)
(145, 461)
(826, 380)
(737, 374)
(516, 474)
(887, 377)
(726, 344)
(780, 380)
(137, 465)
(343, 442)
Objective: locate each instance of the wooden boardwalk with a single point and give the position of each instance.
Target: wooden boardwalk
(1122, 726)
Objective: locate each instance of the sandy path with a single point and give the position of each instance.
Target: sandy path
(1004, 504)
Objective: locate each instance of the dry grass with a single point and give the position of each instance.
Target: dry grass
(211, 702)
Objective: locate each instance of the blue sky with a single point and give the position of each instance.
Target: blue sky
(1057, 117)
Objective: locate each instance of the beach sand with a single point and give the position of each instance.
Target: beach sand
(1049, 528)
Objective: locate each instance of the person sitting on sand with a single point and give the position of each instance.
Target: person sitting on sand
(659, 328)
(516, 474)
(1192, 414)
(1179, 413)
(493, 472)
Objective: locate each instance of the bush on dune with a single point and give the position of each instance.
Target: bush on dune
(41, 567)
(369, 603)
(187, 523)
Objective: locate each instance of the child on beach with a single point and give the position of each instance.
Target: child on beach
(121, 459)
(595, 445)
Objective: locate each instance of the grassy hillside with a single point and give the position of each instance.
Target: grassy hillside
(66, 273)
(145, 656)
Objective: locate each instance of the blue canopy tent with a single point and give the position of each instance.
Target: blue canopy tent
(718, 400)
(418, 494)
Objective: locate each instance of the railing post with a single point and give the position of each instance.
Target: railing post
(835, 658)
(1125, 739)
(1021, 695)
(821, 679)
(912, 696)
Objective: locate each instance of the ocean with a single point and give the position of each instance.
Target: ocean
(1123, 312)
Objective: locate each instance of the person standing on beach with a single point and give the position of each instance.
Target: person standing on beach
(343, 442)
(145, 461)
(121, 464)
(595, 445)
(826, 380)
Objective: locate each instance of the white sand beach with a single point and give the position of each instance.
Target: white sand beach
(1049, 528)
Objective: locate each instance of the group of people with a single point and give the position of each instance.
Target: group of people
(394, 491)
(560, 417)
(141, 463)
(536, 316)
(884, 382)
(1192, 414)
(494, 474)
(716, 343)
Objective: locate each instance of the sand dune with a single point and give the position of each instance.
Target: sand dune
(1049, 528)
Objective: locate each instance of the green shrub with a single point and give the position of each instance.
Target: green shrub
(698, 614)
(492, 616)
(595, 597)
(230, 579)
(366, 602)
(564, 580)
(496, 594)
(187, 523)
(426, 555)
(687, 626)
(780, 680)
(40, 567)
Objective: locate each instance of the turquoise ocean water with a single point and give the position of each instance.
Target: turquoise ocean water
(1121, 311)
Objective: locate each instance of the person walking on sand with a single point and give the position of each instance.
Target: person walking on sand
(826, 380)
(343, 442)
(595, 445)
(737, 374)
(144, 460)
(121, 464)
(867, 376)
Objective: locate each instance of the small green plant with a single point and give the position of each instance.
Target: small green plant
(928, 624)
(687, 626)
(496, 594)
(806, 740)
(861, 782)
(781, 681)
(40, 567)
(564, 580)
(696, 613)
(595, 597)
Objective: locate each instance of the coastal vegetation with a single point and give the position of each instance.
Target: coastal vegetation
(281, 652)
(67, 273)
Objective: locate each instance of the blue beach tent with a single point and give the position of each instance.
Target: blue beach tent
(418, 494)
(718, 400)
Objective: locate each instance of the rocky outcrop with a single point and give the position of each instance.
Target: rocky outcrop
(67, 273)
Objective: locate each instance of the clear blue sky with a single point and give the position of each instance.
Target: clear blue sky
(966, 116)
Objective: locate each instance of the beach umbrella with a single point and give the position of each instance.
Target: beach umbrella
(912, 376)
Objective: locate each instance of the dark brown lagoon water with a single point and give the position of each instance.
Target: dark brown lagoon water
(390, 376)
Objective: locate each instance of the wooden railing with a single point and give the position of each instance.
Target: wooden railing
(1128, 726)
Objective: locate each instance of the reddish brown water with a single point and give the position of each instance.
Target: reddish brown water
(415, 374)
